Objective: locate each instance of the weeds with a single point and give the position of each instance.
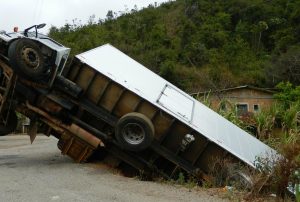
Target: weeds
(181, 179)
(205, 99)
(284, 115)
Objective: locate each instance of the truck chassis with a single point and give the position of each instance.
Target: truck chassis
(86, 109)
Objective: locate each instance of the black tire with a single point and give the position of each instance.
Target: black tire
(26, 58)
(134, 132)
(239, 179)
(11, 124)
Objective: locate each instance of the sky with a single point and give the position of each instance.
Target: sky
(24, 13)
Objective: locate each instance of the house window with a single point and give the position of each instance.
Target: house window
(256, 107)
(223, 106)
(241, 109)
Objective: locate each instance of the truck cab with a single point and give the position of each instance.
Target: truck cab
(26, 58)
(32, 55)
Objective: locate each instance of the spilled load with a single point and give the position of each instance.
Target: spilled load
(105, 99)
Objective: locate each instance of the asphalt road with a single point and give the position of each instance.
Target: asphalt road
(39, 172)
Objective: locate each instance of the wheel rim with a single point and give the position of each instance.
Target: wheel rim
(133, 133)
(31, 57)
(242, 180)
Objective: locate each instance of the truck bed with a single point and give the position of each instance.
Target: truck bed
(116, 67)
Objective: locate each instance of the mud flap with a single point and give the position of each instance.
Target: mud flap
(32, 131)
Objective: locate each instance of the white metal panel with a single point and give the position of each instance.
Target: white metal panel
(124, 70)
(140, 80)
(175, 101)
(229, 136)
(5, 38)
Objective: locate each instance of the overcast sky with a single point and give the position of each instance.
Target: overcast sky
(24, 13)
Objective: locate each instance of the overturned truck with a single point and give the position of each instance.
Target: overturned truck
(106, 99)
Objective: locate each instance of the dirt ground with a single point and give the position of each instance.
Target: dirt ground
(39, 172)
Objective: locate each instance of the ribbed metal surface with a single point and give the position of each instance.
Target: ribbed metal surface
(133, 76)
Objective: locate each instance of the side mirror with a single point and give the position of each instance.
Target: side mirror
(40, 26)
(36, 28)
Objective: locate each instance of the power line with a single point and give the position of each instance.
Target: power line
(38, 11)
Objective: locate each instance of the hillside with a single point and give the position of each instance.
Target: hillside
(200, 44)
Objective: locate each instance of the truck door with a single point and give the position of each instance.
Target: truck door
(176, 102)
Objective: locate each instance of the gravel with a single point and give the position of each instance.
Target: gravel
(38, 172)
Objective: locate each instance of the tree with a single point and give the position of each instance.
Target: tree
(110, 15)
(201, 43)
(285, 67)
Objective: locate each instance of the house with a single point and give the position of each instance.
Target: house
(244, 98)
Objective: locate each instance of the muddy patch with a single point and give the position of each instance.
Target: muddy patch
(12, 146)
(9, 157)
(8, 164)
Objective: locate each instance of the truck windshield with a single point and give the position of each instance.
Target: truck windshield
(32, 34)
(40, 36)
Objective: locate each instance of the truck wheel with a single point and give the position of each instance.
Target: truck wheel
(10, 126)
(240, 180)
(27, 59)
(134, 132)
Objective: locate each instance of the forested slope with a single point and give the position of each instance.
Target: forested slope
(202, 44)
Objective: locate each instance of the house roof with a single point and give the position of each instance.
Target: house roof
(266, 90)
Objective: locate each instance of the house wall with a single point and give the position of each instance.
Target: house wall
(247, 96)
